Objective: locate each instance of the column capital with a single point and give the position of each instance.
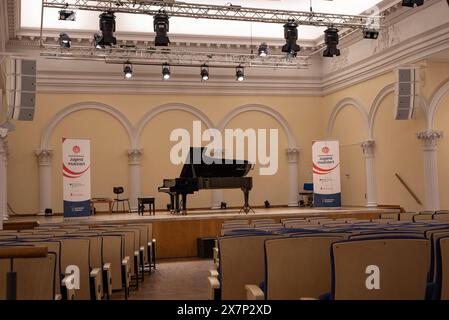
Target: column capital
(292, 155)
(429, 138)
(44, 157)
(134, 156)
(368, 147)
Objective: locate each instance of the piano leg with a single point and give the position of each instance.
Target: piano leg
(177, 203)
(172, 203)
(246, 207)
(184, 203)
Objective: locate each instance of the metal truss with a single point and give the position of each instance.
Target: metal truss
(175, 57)
(220, 12)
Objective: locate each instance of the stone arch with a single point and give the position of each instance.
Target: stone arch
(120, 117)
(264, 109)
(434, 104)
(340, 106)
(168, 107)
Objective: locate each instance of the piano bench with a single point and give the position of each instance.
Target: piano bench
(151, 204)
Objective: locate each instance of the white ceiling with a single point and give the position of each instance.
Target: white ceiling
(88, 20)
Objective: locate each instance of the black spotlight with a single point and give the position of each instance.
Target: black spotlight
(263, 50)
(412, 3)
(267, 204)
(128, 71)
(204, 72)
(107, 27)
(165, 71)
(161, 27)
(223, 205)
(331, 39)
(370, 34)
(239, 73)
(67, 15)
(64, 41)
(291, 35)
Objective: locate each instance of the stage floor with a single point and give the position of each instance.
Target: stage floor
(259, 213)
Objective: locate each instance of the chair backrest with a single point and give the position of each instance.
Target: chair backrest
(260, 221)
(143, 239)
(403, 265)
(394, 216)
(36, 277)
(406, 216)
(241, 263)
(444, 254)
(118, 190)
(113, 254)
(422, 217)
(76, 252)
(298, 267)
(441, 216)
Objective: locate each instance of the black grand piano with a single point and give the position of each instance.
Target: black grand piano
(201, 172)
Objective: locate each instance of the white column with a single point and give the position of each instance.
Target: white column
(293, 188)
(3, 181)
(44, 158)
(134, 157)
(429, 140)
(371, 192)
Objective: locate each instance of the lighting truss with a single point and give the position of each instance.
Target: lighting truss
(175, 57)
(220, 12)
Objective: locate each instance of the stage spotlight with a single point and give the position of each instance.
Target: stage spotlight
(204, 72)
(239, 73)
(107, 27)
(331, 39)
(161, 27)
(165, 71)
(67, 15)
(370, 34)
(291, 35)
(412, 3)
(128, 70)
(263, 50)
(64, 41)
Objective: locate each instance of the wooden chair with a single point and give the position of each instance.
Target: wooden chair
(403, 264)
(295, 268)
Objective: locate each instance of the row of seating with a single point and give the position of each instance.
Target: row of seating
(107, 258)
(316, 258)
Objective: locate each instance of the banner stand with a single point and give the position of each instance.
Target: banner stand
(326, 174)
(76, 178)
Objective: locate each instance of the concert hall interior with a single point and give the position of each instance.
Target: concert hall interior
(208, 150)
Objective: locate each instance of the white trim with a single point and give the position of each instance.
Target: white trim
(168, 107)
(292, 144)
(346, 102)
(375, 107)
(48, 130)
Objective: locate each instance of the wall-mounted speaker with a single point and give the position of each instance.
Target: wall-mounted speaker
(21, 88)
(406, 92)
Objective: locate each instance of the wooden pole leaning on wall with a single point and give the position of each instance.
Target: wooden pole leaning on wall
(408, 188)
(12, 253)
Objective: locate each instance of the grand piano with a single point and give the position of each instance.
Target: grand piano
(204, 173)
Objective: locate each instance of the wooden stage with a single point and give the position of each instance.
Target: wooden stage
(177, 235)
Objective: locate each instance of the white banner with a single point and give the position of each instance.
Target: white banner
(326, 173)
(76, 177)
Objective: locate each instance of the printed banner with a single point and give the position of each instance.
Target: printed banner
(326, 174)
(76, 177)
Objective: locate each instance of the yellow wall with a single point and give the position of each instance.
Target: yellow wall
(110, 144)
(397, 149)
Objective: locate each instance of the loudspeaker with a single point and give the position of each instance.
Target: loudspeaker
(21, 88)
(406, 93)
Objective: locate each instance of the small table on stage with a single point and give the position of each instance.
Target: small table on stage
(94, 201)
(146, 200)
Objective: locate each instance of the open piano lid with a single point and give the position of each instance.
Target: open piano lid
(209, 169)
